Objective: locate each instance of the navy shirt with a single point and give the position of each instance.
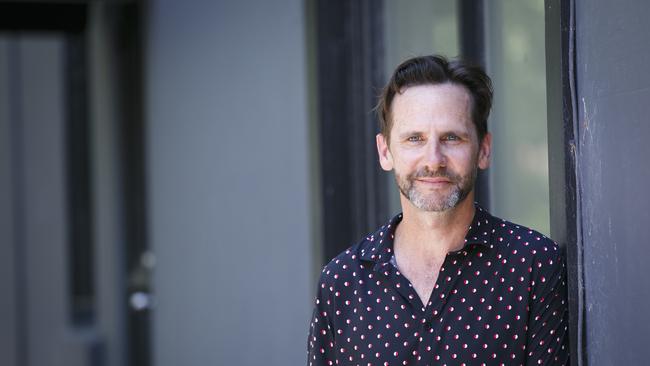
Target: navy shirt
(500, 300)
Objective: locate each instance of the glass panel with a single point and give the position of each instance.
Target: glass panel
(516, 63)
(414, 28)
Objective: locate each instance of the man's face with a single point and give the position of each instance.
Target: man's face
(434, 147)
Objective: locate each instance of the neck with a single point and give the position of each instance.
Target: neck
(433, 234)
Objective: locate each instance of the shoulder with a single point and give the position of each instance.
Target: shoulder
(345, 265)
(510, 236)
(348, 265)
(523, 249)
(528, 253)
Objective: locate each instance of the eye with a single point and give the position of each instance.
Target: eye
(414, 138)
(451, 137)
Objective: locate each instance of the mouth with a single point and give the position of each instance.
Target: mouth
(434, 181)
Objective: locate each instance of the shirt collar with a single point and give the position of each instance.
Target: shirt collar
(378, 246)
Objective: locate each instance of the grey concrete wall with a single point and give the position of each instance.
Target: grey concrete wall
(44, 219)
(228, 180)
(613, 54)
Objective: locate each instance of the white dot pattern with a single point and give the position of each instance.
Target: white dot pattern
(500, 300)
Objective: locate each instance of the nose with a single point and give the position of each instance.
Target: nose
(435, 156)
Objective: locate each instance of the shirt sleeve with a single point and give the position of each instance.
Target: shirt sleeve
(548, 338)
(320, 345)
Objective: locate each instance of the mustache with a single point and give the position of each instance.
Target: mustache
(439, 173)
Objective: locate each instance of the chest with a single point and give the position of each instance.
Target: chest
(422, 275)
(389, 326)
(473, 309)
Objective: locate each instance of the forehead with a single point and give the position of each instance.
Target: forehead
(442, 105)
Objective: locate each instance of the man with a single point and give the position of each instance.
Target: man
(443, 283)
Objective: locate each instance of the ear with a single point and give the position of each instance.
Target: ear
(385, 157)
(485, 149)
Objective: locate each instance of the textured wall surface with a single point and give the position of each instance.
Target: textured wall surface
(613, 54)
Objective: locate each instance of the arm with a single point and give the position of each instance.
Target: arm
(320, 345)
(548, 337)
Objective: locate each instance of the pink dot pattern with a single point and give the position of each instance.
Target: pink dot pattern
(500, 300)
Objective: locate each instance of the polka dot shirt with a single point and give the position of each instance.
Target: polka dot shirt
(500, 300)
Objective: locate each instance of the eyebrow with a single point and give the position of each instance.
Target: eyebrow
(407, 134)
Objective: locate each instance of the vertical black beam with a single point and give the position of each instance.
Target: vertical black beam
(81, 266)
(128, 30)
(471, 30)
(350, 76)
(471, 23)
(561, 97)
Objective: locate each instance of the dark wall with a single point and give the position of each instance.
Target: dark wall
(613, 103)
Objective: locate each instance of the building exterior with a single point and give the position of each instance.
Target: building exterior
(173, 175)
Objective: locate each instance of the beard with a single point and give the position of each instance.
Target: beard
(434, 200)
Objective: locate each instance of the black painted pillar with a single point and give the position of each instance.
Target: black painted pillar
(350, 77)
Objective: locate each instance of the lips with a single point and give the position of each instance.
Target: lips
(434, 180)
(438, 178)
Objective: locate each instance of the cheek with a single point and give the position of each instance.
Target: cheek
(462, 159)
(406, 158)
(460, 155)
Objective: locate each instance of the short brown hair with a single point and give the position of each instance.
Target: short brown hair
(434, 70)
